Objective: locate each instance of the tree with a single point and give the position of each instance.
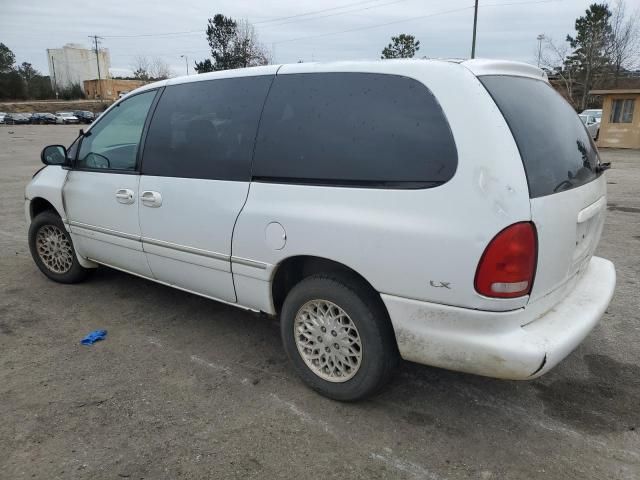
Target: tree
(27, 72)
(145, 68)
(221, 34)
(204, 66)
(36, 86)
(554, 58)
(233, 45)
(141, 67)
(160, 70)
(590, 46)
(402, 46)
(7, 59)
(247, 49)
(624, 49)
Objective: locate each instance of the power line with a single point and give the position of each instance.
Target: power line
(414, 18)
(316, 11)
(334, 14)
(278, 19)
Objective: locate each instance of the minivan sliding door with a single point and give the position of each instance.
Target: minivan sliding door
(196, 174)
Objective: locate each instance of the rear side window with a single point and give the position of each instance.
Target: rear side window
(354, 129)
(556, 149)
(206, 129)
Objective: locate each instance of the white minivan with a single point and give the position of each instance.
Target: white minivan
(444, 212)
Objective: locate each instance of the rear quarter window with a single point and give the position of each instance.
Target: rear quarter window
(556, 149)
(354, 129)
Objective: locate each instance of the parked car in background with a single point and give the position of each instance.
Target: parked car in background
(592, 123)
(42, 118)
(2, 115)
(596, 112)
(66, 118)
(84, 116)
(443, 212)
(17, 119)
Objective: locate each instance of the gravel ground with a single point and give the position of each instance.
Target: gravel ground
(185, 387)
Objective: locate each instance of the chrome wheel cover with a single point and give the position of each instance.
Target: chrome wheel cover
(328, 340)
(54, 249)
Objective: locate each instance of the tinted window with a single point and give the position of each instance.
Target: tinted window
(113, 142)
(206, 129)
(556, 149)
(354, 129)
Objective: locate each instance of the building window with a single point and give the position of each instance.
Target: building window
(622, 110)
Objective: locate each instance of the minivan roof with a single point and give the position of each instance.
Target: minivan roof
(477, 66)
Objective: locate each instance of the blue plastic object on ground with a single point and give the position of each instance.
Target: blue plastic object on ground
(94, 337)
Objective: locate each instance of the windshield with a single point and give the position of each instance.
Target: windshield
(556, 149)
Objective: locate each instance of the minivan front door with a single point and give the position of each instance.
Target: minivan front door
(101, 190)
(195, 179)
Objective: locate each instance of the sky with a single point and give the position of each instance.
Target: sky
(308, 30)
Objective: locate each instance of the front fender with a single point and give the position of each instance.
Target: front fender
(47, 184)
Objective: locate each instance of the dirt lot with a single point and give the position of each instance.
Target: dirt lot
(53, 106)
(184, 387)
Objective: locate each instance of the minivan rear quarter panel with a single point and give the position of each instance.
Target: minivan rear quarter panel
(406, 243)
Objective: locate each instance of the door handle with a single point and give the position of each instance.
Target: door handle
(151, 199)
(125, 195)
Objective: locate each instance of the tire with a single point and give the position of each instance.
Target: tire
(342, 295)
(48, 234)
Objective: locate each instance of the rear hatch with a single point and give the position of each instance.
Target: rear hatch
(566, 185)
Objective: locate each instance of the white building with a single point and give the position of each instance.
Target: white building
(74, 63)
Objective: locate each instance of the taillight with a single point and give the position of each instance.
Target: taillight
(508, 264)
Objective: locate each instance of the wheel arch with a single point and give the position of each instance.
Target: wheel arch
(292, 270)
(38, 205)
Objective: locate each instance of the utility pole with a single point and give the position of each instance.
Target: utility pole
(95, 39)
(55, 84)
(186, 62)
(540, 38)
(475, 24)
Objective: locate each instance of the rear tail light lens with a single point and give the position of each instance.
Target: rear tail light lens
(508, 264)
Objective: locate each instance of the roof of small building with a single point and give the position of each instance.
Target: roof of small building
(615, 91)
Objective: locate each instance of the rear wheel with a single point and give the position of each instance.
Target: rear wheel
(338, 336)
(52, 249)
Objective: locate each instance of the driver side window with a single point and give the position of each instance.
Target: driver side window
(113, 142)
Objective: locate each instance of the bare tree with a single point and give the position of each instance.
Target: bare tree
(160, 69)
(248, 49)
(145, 68)
(624, 49)
(141, 67)
(555, 57)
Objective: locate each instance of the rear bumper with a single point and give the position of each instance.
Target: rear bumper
(518, 345)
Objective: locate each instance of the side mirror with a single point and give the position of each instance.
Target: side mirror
(54, 155)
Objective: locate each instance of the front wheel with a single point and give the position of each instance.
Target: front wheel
(52, 249)
(338, 336)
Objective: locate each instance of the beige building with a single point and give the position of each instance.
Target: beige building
(73, 64)
(620, 124)
(110, 88)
